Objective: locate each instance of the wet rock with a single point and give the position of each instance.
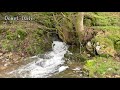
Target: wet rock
(104, 46)
(98, 49)
(44, 56)
(41, 63)
(89, 46)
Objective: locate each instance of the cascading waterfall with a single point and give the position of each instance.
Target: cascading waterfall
(45, 66)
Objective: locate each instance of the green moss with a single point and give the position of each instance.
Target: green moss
(87, 22)
(106, 45)
(100, 67)
(113, 31)
(102, 19)
(112, 35)
(107, 28)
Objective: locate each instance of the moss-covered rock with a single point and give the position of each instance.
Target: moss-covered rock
(106, 45)
(109, 35)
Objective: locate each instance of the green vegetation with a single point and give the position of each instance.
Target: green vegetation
(28, 38)
(112, 33)
(101, 19)
(102, 67)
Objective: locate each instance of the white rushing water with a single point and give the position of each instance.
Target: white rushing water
(46, 65)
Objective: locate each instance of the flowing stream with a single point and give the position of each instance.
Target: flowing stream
(46, 65)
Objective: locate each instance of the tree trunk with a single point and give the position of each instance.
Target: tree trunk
(80, 27)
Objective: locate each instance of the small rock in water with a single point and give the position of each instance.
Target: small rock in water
(62, 68)
(41, 63)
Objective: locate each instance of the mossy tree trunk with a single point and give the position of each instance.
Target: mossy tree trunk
(80, 27)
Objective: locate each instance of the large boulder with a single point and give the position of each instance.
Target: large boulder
(103, 45)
